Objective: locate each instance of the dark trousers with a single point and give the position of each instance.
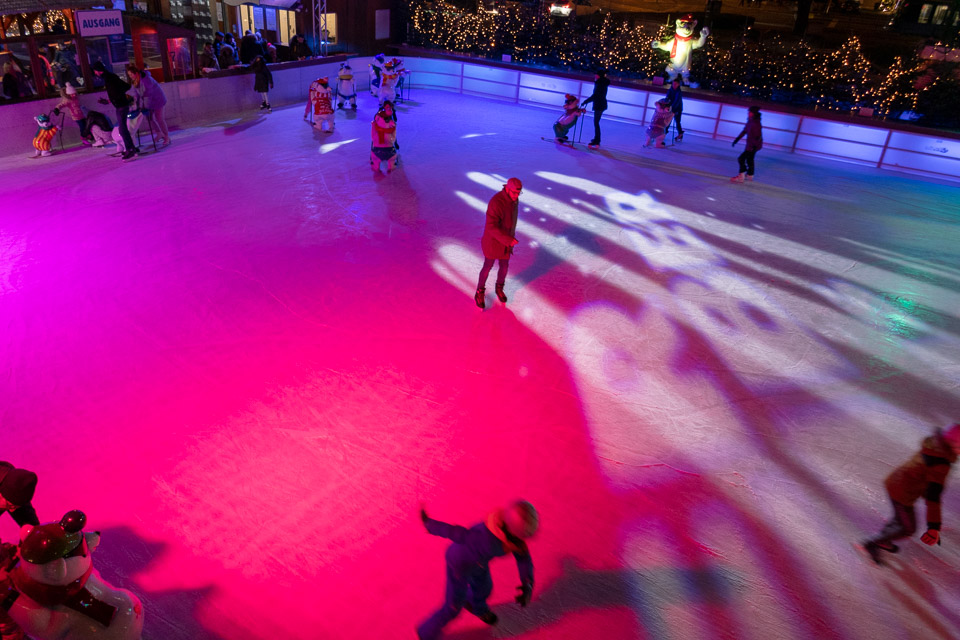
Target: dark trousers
(82, 123)
(122, 113)
(903, 524)
(746, 162)
(473, 589)
(501, 271)
(596, 126)
(676, 120)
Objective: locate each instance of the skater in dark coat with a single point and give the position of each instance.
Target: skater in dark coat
(469, 583)
(924, 476)
(117, 93)
(675, 100)
(498, 238)
(599, 100)
(754, 133)
(263, 81)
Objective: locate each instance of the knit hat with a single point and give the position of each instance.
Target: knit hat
(952, 437)
(98, 66)
(514, 183)
(70, 90)
(18, 486)
(521, 519)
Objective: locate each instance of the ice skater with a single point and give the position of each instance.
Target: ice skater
(383, 138)
(469, 583)
(71, 102)
(599, 100)
(263, 81)
(675, 100)
(754, 133)
(923, 475)
(568, 120)
(498, 239)
(657, 130)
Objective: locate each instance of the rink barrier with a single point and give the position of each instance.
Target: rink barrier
(189, 102)
(871, 144)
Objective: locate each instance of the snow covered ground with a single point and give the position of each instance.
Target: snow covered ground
(249, 359)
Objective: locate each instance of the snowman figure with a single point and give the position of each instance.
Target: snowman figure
(53, 592)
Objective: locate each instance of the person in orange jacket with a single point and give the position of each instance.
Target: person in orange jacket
(923, 476)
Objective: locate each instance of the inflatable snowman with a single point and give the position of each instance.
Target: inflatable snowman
(53, 592)
(681, 47)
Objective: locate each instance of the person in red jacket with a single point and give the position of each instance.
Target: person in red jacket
(498, 238)
(922, 476)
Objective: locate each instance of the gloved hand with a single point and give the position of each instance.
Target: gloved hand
(523, 598)
(56, 111)
(423, 515)
(733, 144)
(931, 537)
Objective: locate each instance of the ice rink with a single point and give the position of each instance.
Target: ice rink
(249, 359)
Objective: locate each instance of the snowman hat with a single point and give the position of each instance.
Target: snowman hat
(49, 542)
(345, 65)
(324, 81)
(569, 97)
(43, 118)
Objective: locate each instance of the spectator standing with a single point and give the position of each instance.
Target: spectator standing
(208, 59)
(249, 48)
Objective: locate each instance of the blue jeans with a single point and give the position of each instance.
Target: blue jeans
(473, 588)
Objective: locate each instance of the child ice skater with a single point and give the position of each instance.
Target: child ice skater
(263, 81)
(71, 103)
(657, 130)
(567, 121)
(469, 583)
(922, 476)
(754, 133)
(383, 138)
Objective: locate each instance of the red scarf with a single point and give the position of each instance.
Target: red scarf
(678, 38)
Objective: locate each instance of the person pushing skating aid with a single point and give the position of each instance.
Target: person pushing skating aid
(924, 476)
(469, 583)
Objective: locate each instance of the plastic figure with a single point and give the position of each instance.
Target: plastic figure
(681, 47)
(320, 96)
(346, 87)
(53, 592)
(44, 135)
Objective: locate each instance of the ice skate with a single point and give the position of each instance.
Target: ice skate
(748, 177)
(489, 617)
(593, 144)
(501, 296)
(737, 178)
(264, 105)
(679, 137)
(269, 108)
(480, 297)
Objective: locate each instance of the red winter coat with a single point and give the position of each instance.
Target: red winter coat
(923, 476)
(498, 233)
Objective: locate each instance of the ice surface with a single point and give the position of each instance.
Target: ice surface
(249, 359)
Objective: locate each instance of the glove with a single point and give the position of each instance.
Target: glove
(733, 144)
(423, 515)
(56, 111)
(523, 598)
(514, 242)
(931, 537)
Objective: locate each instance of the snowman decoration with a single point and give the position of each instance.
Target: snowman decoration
(53, 592)
(681, 47)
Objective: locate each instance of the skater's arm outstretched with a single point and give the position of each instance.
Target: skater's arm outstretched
(442, 529)
(525, 569)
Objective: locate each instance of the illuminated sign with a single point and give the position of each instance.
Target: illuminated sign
(99, 23)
